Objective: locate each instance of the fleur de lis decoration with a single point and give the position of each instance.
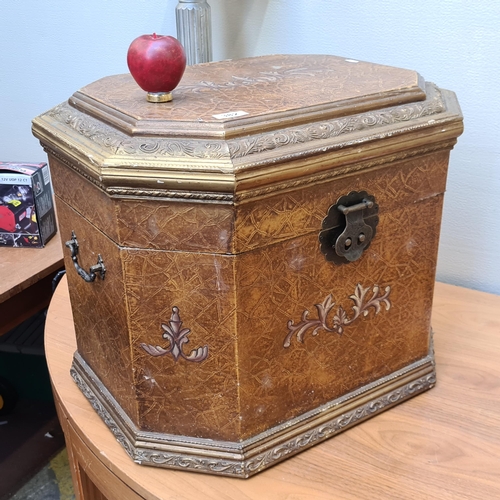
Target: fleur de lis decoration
(177, 337)
(361, 307)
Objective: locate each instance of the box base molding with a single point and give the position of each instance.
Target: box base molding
(246, 458)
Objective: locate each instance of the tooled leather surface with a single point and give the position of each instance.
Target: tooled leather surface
(209, 227)
(275, 284)
(245, 329)
(289, 215)
(278, 383)
(82, 196)
(180, 397)
(257, 86)
(146, 223)
(175, 226)
(99, 308)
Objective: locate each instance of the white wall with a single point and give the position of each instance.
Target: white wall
(49, 49)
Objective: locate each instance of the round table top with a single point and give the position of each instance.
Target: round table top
(441, 444)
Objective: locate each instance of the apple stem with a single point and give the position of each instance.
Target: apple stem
(154, 36)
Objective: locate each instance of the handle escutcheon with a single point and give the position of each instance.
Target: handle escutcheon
(98, 268)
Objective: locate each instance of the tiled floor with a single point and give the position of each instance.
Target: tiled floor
(53, 482)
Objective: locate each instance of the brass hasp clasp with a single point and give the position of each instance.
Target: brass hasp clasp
(349, 227)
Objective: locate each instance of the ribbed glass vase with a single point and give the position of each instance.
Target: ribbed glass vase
(194, 30)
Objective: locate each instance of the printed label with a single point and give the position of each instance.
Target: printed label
(230, 114)
(46, 175)
(14, 179)
(44, 204)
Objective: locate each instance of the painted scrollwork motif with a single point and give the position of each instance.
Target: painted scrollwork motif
(121, 144)
(361, 307)
(177, 337)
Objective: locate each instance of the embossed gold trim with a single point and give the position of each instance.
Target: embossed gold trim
(244, 459)
(228, 198)
(119, 143)
(434, 105)
(341, 171)
(242, 169)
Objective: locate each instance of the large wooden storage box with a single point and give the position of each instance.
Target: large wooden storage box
(269, 242)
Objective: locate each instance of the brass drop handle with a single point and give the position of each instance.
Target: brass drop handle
(98, 268)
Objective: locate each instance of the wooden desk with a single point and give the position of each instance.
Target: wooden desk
(26, 281)
(442, 444)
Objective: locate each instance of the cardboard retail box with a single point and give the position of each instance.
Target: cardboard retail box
(27, 217)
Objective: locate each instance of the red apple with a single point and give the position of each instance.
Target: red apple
(156, 62)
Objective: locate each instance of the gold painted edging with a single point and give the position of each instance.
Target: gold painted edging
(246, 167)
(244, 459)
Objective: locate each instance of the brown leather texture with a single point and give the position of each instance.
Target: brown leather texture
(187, 226)
(181, 397)
(279, 383)
(147, 223)
(307, 119)
(99, 308)
(80, 194)
(301, 211)
(239, 305)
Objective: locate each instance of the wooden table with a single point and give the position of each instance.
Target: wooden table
(442, 444)
(26, 281)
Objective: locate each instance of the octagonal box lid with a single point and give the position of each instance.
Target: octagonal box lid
(235, 127)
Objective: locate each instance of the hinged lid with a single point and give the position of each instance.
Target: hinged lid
(237, 125)
(233, 98)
